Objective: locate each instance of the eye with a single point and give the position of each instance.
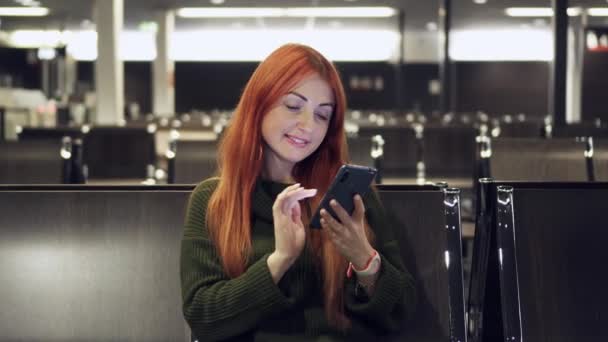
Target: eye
(322, 116)
(292, 108)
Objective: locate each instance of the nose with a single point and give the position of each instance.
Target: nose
(306, 120)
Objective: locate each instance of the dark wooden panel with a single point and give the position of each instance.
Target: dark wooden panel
(91, 266)
(560, 238)
(528, 159)
(422, 239)
(31, 162)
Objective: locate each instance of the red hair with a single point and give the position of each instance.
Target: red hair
(240, 162)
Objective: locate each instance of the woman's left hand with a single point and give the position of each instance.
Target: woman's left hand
(348, 234)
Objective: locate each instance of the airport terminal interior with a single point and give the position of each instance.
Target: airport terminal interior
(487, 121)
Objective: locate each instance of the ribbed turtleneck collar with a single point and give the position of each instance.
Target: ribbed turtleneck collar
(264, 195)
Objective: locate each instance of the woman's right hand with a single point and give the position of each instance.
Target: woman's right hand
(289, 231)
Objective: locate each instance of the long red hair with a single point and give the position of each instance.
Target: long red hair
(240, 162)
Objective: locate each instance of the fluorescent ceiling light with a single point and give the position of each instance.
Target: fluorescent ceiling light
(501, 45)
(538, 11)
(23, 11)
(199, 12)
(342, 12)
(269, 12)
(244, 45)
(598, 11)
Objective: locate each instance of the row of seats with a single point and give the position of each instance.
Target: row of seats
(101, 263)
(109, 269)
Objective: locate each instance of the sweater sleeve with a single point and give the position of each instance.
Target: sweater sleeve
(215, 306)
(394, 295)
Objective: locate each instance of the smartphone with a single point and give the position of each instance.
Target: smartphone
(349, 181)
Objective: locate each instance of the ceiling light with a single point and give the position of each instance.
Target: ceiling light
(23, 11)
(217, 2)
(538, 11)
(431, 26)
(341, 12)
(248, 12)
(598, 11)
(480, 2)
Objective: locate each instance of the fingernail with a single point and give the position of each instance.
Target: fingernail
(323, 221)
(323, 211)
(333, 202)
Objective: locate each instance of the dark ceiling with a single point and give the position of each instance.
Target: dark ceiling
(70, 14)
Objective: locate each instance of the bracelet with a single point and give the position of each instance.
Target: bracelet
(372, 266)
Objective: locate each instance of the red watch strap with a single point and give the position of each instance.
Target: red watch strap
(351, 267)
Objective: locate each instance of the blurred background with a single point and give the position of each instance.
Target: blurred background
(177, 67)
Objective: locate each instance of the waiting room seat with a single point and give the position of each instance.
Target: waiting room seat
(101, 263)
(537, 272)
(359, 150)
(47, 133)
(579, 130)
(194, 161)
(31, 162)
(532, 159)
(85, 263)
(401, 150)
(429, 235)
(449, 151)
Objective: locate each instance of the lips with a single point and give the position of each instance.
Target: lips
(296, 141)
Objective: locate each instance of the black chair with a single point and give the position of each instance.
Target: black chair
(109, 269)
(449, 151)
(119, 152)
(579, 130)
(47, 133)
(400, 155)
(31, 162)
(536, 275)
(359, 149)
(193, 161)
(86, 263)
(528, 129)
(529, 159)
(430, 242)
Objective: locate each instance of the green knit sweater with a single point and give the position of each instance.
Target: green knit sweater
(252, 307)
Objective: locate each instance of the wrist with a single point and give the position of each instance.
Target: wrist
(278, 264)
(361, 260)
(371, 267)
(281, 259)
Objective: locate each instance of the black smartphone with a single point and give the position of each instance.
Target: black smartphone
(349, 181)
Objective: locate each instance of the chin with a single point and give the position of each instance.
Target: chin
(296, 157)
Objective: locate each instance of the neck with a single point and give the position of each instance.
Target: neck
(277, 170)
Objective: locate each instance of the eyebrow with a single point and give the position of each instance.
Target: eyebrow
(305, 99)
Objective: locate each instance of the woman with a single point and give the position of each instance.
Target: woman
(251, 268)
